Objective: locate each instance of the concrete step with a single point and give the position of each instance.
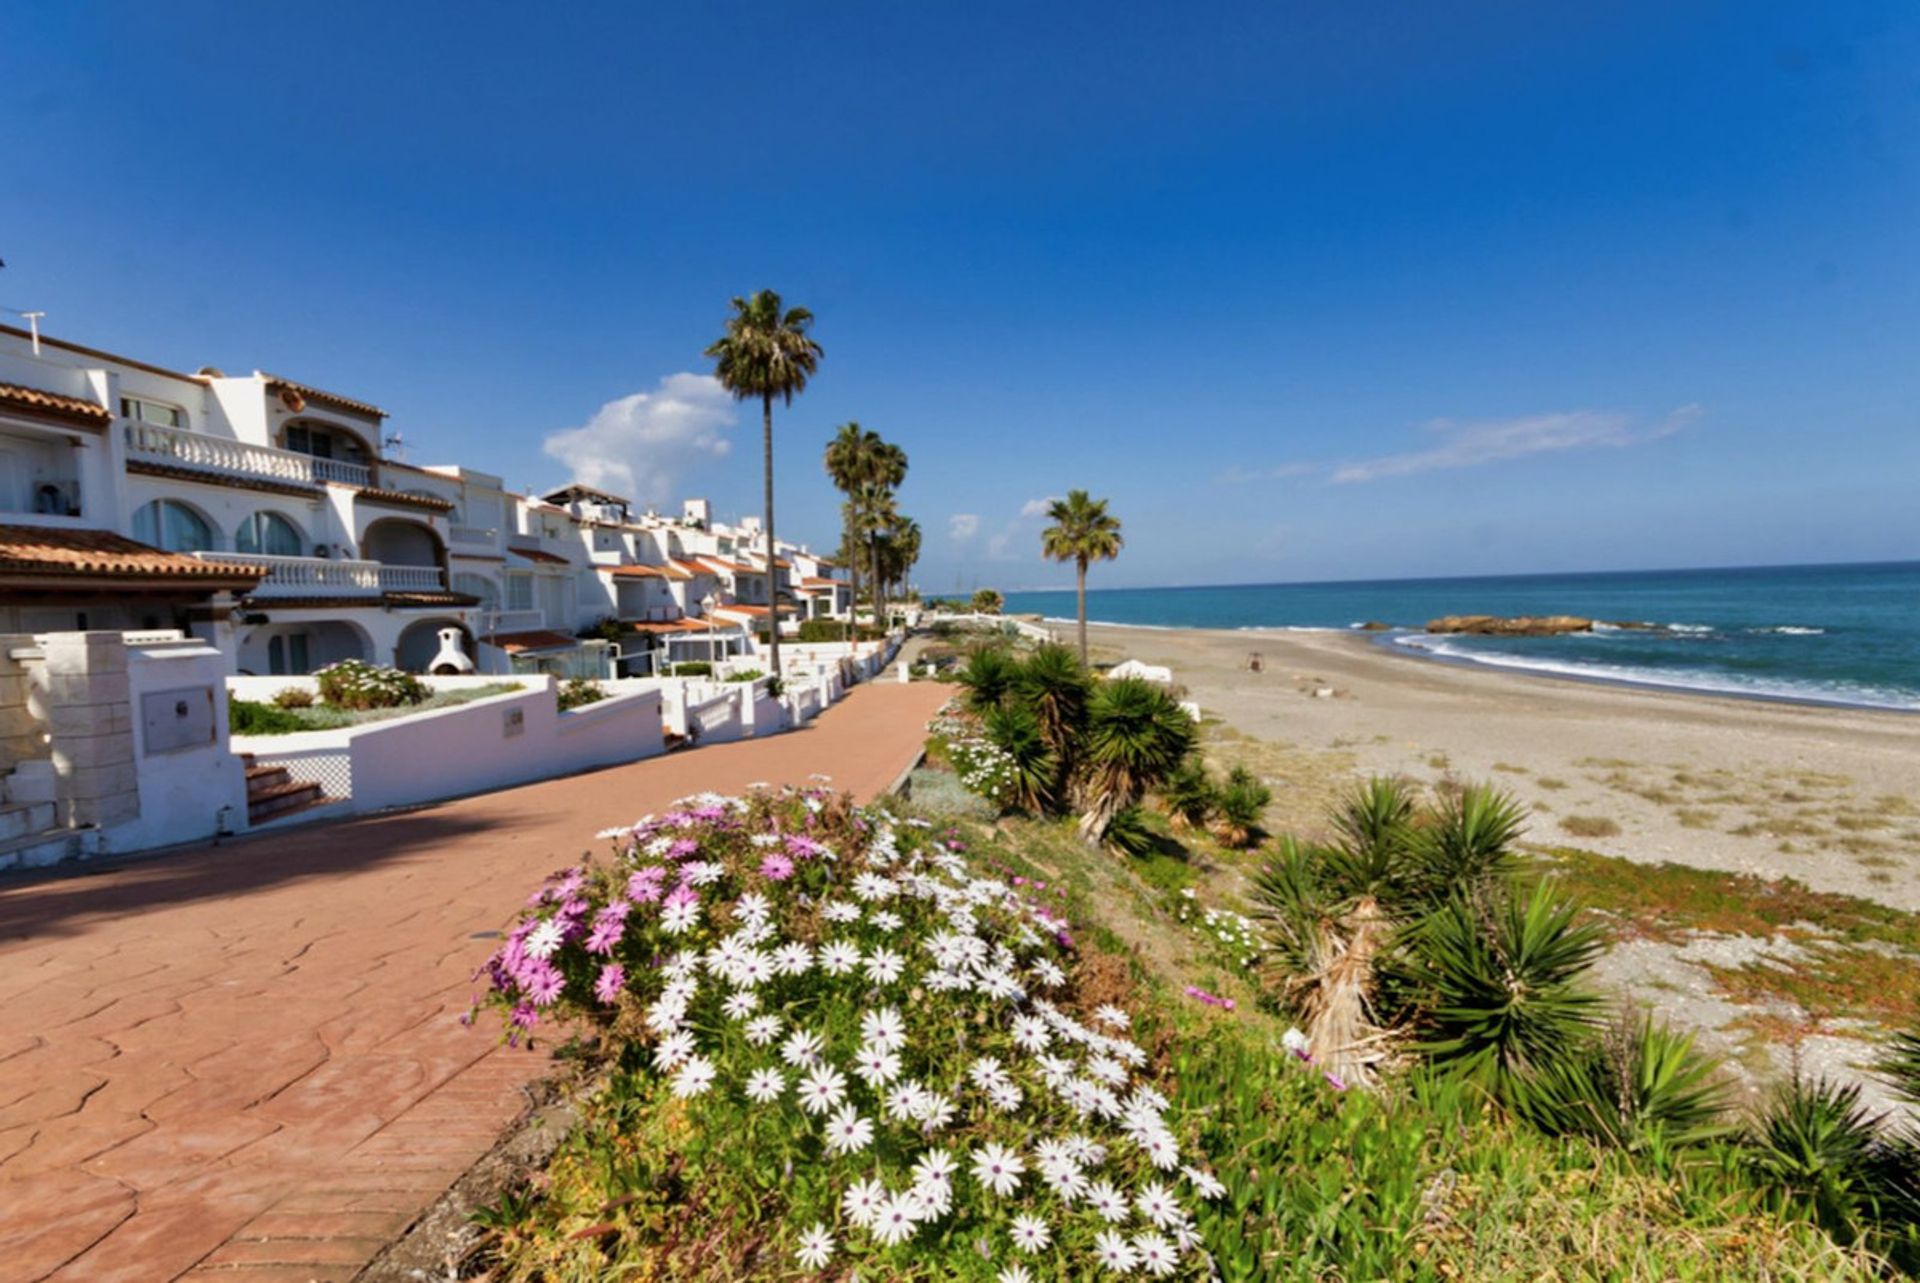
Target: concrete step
(262, 778)
(319, 807)
(278, 799)
(22, 819)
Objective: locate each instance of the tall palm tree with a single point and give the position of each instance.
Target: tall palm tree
(888, 468)
(1083, 531)
(849, 463)
(873, 508)
(902, 551)
(766, 352)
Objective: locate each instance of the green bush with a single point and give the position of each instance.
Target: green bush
(693, 668)
(293, 697)
(578, 692)
(356, 684)
(252, 717)
(745, 675)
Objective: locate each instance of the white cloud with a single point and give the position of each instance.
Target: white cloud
(640, 445)
(963, 525)
(1236, 473)
(1038, 507)
(1466, 445)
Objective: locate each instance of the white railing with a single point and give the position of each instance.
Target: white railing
(326, 577)
(516, 621)
(482, 536)
(222, 454)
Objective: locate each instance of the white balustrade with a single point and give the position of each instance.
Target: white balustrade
(473, 536)
(516, 621)
(327, 577)
(223, 454)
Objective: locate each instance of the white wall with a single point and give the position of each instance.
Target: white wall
(183, 791)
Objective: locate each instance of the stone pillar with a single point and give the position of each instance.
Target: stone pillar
(23, 736)
(85, 701)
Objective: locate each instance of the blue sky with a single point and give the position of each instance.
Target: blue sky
(1308, 291)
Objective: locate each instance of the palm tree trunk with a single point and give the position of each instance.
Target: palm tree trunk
(853, 569)
(879, 592)
(773, 573)
(1081, 568)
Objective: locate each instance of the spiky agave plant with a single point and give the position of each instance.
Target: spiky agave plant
(1033, 767)
(1240, 807)
(1641, 1087)
(1128, 834)
(1497, 975)
(1899, 1065)
(1815, 1145)
(1137, 734)
(1188, 795)
(986, 677)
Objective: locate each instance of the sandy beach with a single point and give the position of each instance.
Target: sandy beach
(1829, 796)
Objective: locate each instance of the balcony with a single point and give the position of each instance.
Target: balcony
(326, 577)
(473, 536)
(156, 443)
(515, 621)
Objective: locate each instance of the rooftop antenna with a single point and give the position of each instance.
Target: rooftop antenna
(394, 447)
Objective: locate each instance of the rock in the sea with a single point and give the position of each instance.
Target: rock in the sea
(1375, 626)
(1516, 626)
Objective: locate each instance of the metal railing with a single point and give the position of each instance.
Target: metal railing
(223, 454)
(516, 621)
(326, 577)
(478, 536)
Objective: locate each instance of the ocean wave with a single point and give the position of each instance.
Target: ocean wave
(1688, 628)
(1790, 630)
(1845, 694)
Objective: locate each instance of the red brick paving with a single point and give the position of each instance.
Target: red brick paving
(246, 1063)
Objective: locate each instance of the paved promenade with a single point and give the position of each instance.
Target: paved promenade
(245, 1063)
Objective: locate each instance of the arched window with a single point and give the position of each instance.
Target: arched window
(271, 533)
(480, 586)
(172, 525)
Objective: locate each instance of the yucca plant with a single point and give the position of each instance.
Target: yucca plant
(1899, 1065)
(1641, 1087)
(1497, 973)
(1189, 794)
(1128, 833)
(986, 677)
(1137, 735)
(1239, 809)
(1055, 686)
(1815, 1146)
(1033, 766)
(1467, 842)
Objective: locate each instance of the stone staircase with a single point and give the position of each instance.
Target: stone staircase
(273, 794)
(31, 835)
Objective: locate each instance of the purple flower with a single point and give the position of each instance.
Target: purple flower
(776, 867)
(682, 894)
(607, 930)
(543, 983)
(645, 885)
(613, 978)
(1335, 1081)
(682, 848)
(802, 848)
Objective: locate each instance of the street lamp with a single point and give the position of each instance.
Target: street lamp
(707, 604)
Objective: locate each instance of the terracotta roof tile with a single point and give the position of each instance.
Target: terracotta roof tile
(668, 571)
(815, 581)
(37, 550)
(51, 405)
(232, 480)
(279, 385)
(540, 639)
(540, 555)
(373, 494)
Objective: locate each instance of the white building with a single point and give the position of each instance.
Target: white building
(264, 516)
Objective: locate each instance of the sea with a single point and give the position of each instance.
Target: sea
(1844, 635)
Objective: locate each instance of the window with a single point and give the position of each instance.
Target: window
(145, 411)
(287, 654)
(322, 442)
(519, 591)
(271, 533)
(172, 525)
(478, 586)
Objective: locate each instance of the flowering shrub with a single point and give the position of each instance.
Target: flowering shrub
(1233, 936)
(984, 768)
(848, 1052)
(354, 684)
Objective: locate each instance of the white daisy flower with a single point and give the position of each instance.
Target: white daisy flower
(935, 1168)
(876, 1067)
(1108, 1202)
(936, 1111)
(694, 1078)
(884, 1029)
(896, 1219)
(823, 1088)
(544, 940)
(903, 1102)
(1204, 1183)
(1030, 1234)
(1005, 1097)
(1155, 1254)
(793, 959)
(741, 1004)
(1015, 1273)
(884, 966)
(815, 1249)
(765, 1085)
(673, 1050)
(752, 907)
(841, 911)
(1030, 1033)
(762, 1030)
(862, 1202)
(838, 958)
(1114, 1252)
(1157, 1204)
(998, 1169)
(802, 1047)
(847, 1132)
(1048, 974)
(680, 916)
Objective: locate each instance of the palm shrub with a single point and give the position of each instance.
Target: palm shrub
(1136, 736)
(1240, 807)
(1641, 1088)
(1466, 842)
(1900, 1065)
(986, 677)
(1128, 833)
(1813, 1143)
(1055, 685)
(1033, 767)
(1189, 794)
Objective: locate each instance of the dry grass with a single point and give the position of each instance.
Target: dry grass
(1589, 826)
